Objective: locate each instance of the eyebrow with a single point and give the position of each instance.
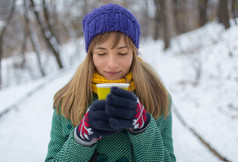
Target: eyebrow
(122, 47)
(105, 48)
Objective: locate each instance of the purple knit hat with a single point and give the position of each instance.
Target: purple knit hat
(110, 17)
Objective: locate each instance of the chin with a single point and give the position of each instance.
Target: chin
(113, 78)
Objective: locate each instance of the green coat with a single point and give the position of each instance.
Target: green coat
(154, 144)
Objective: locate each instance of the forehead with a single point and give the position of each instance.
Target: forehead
(111, 40)
(112, 45)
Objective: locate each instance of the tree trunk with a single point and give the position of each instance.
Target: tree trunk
(48, 22)
(179, 16)
(146, 21)
(85, 8)
(25, 36)
(47, 35)
(157, 20)
(222, 13)
(33, 39)
(2, 32)
(23, 47)
(164, 23)
(202, 6)
(234, 10)
(176, 13)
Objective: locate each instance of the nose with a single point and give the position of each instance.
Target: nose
(112, 61)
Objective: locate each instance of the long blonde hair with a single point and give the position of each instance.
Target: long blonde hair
(73, 99)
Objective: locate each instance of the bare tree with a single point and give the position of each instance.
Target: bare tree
(166, 36)
(179, 16)
(24, 42)
(157, 20)
(33, 38)
(222, 13)
(50, 40)
(2, 32)
(146, 21)
(161, 20)
(234, 10)
(202, 7)
(176, 19)
(48, 21)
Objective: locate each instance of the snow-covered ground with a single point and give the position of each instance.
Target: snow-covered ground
(210, 104)
(200, 72)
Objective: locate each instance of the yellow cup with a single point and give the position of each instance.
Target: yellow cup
(105, 88)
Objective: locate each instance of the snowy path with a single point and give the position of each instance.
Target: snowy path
(187, 147)
(24, 132)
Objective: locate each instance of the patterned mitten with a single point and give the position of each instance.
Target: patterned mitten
(94, 125)
(126, 111)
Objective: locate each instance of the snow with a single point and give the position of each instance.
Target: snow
(211, 105)
(2, 25)
(208, 104)
(25, 131)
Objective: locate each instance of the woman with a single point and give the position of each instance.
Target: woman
(87, 129)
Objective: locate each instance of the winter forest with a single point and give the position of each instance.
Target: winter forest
(191, 44)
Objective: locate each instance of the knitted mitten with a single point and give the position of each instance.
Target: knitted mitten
(125, 111)
(94, 125)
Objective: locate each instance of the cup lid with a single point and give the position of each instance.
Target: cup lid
(109, 85)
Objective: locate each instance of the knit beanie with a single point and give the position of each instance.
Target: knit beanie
(110, 17)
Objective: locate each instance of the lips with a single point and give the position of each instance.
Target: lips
(112, 72)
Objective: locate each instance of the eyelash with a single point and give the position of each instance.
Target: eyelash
(102, 54)
(122, 54)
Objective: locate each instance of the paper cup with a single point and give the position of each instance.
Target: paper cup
(105, 88)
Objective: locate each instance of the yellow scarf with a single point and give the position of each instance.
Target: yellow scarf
(97, 79)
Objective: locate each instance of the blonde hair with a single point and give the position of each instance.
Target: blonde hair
(73, 99)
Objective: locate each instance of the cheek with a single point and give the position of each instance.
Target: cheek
(127, 63)
(130, 60)
(97, 62)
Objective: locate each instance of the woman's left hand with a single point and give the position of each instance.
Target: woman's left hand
(126, 111)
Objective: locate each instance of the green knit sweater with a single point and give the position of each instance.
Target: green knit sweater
(154, 144)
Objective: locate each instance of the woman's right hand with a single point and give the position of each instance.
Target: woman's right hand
(94, 125)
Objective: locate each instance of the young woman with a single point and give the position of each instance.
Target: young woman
(134, 125)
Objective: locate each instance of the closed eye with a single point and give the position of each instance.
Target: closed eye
(101, 54)
(123, 54)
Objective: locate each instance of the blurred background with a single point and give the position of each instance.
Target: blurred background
(35, 25)
(192, 44)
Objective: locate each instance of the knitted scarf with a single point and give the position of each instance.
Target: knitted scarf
(97, 79)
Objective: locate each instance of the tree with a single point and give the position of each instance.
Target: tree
(48, 21)
(222, 13)
(234, 10)
(179, 12)
(161, 20)
(29, 32)
(202, 6)
(157, 20)
(2, 32)
(49, 38)
(165, 26)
